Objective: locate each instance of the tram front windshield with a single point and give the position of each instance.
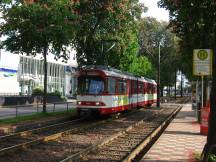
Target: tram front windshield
(90, 85)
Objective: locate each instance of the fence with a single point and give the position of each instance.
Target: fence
(12, 94)
(21, 110)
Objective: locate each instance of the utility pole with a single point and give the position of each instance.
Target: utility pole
(158, 79)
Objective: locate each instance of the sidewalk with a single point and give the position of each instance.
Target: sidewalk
(180, 141)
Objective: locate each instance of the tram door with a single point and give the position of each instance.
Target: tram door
(133, 97)
(130, 93)
(137, 92)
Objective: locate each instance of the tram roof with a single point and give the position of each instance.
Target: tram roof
(118, 73)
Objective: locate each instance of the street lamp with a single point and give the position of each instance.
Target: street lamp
(158, 76)
(158, 79)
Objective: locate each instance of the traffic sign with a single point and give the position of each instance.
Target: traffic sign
(202, 62)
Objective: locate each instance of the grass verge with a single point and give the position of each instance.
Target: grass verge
(36, 116)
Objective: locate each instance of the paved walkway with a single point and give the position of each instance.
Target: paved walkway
(180, 140)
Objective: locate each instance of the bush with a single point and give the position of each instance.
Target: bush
(56, 93)
(37, 92)
(63, 98)
(212, 158)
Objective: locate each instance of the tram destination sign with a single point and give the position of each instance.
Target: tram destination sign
(202, 62)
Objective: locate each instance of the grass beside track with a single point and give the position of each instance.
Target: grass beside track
(37, 116)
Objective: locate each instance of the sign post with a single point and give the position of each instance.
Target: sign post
(202, 89)
(202, 64)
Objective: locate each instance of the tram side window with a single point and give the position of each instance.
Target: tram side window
(152, 89)
(144, 88)
(111, 85)
(147, 88)
(140, 87)
(122, 86)
(131, 87)
(155, 89)
(135, 90)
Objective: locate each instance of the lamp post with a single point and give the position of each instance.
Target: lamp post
(158, 79)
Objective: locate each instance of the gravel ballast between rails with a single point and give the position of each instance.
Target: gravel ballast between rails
(125, 145)
(74, 142)
(10, 143)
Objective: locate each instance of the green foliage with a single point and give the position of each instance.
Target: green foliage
(102, 25)
(37, 92)
(151, 33)
(212, 158)
(56, 93)
(30, 27)
(63, 98)
(38, 27)
(141, 66)
(193, 23)
(131, 61)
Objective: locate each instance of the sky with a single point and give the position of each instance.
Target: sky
(153, 11)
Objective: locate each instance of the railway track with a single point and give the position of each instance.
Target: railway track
(25, 139)
(127, 144)
(69, 141)
(76, 139)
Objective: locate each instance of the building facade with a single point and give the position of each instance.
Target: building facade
(20, 74)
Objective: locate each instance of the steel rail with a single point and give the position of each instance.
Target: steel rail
(153, 134)
(134, 151)
(46, 138)
(97, 145)
(35, 130)
(30, 132)
(54, 136)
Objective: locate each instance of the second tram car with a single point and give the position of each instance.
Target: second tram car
(106, 90)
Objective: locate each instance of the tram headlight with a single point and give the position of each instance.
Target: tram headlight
(79, 103)
(99, 104)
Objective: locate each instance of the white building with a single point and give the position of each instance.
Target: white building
(20, 74)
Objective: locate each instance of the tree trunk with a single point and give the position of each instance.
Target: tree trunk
(158, 79)
(45, 79)
(181, 85)
(161, 92)
(175, 83)
(169, 94)
(210, 146)
(205, 91)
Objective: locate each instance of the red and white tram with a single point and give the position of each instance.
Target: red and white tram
(106, 90)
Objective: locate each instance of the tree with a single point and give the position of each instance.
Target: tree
(194, 23)
(38, 27)
(151, 33)
(131, 61)
(102, 25)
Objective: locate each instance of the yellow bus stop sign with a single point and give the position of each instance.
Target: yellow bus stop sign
(202, 62)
